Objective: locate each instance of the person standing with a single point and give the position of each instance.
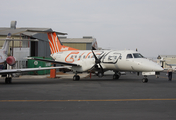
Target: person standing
(170, 70)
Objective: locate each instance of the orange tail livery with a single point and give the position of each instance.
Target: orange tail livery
(56, 45)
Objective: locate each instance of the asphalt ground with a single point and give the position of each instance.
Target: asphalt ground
(96, 98)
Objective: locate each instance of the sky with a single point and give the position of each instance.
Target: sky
(148, 25)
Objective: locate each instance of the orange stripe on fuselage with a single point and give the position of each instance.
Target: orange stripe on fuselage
(81, 55)
(72, 59)
(88, 54)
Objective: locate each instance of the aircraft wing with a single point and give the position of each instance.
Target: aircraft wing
(55, 62)
(29, 69)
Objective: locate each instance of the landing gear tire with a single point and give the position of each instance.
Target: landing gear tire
(100, 74)
(116, 76)
(144, 80)
(8, 80)
(76, 78)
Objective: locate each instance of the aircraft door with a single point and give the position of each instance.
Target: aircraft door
(111, 57)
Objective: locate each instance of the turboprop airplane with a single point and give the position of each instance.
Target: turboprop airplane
(99, 60)
(4, 60)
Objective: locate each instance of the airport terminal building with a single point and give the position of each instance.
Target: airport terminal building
(167, 60)
(85, 43)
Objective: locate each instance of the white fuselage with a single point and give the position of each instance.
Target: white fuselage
(125, 60)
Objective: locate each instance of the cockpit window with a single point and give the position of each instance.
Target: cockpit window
(129, 56)
(137, 55)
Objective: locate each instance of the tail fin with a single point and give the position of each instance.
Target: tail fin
(56, 45)
(5, 47)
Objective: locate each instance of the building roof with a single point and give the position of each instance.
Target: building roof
(168, 56)
(17, 31)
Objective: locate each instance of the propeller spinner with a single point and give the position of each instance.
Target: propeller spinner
(97, 62)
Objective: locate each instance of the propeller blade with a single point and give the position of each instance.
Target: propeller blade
(94, 56)
(101, 68)
(98, 61)
(102, 56)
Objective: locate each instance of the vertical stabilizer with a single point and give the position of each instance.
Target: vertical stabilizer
(5, 47)
(56, 45)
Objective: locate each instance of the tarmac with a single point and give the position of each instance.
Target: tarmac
(30, 97)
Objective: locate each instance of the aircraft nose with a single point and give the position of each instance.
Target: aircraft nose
(154, 67)
(158, 68)
(150, 66)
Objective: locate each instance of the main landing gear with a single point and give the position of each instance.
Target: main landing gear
(100, 74)
(145, 79)
(116, 75)
(76, 77)
(8, 80)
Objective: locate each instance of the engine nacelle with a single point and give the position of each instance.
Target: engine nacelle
(11, 60)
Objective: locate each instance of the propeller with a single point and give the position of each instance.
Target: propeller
(98, 61)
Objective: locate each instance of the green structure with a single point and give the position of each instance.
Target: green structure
(36, 64)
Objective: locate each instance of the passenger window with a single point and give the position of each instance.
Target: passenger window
(129, 56)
